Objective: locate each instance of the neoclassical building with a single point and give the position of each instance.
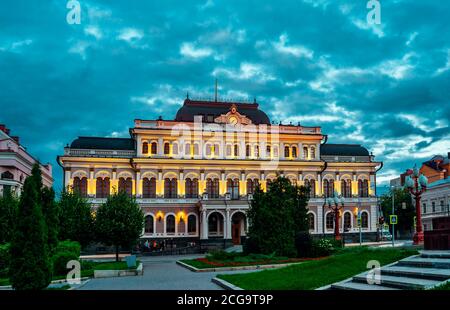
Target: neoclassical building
(194, 176)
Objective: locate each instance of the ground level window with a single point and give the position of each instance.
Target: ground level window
(330, 221)
(192, 224)
(170, 224)
(149, 224)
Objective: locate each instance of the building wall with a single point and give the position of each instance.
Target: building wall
(435, 203)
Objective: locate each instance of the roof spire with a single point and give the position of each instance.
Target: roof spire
(187, 95)
(215, 92)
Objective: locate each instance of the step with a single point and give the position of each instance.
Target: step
(404, 283)
(417, 261)
(435, 254)
(350, 285)
(439, 274)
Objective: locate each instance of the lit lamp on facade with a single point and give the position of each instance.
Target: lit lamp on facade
(336, 204)
(416, 183)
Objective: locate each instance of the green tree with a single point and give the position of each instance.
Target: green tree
(51, 215)
(404, 209)
(30, 268)
(75, 219)
(8, 211)
(119, 221)
(276, 218)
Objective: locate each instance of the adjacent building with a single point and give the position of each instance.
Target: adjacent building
(16, 164)
(194, 175)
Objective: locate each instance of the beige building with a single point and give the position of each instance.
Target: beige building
(194, 176)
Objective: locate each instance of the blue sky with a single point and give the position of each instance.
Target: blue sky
(314, 62)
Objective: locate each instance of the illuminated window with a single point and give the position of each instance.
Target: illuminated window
(313, 152)
(212, 188)
(236, 150)
(275, 151)
(126, 185)
(80, 186)
(252, 185)
(149, 188)
(187, 149)
(294, 151)
(166, 148)
(268, 151)
(145, 148)
(305, 152)
(256, 151)
(286, 151)
(170, 188)
(102, 188)
(175, 148)
(228, 149)
(363, 188)
(247, 150)
(191, 188)
(154, 148)
(233, 188)
(346, 188)
(196, 149)
(216, 149)
(328, 188)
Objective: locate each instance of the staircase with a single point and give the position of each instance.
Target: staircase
(419, 272)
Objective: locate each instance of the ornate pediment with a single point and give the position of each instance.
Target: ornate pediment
(233, 117)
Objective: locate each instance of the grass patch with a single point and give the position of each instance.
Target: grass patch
(60, 288)
(314, 274)
(204, 263)
(443, 287)
(4, 282)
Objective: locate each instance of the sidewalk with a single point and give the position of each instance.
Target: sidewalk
(383, 244)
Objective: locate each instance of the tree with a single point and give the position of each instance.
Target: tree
(8, 210)
(75, 219)
(276, 217)
(51, 215)
(119, 221)
(30, 267)
(403, 207)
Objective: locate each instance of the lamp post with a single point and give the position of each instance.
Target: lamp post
(336, 204)
(416, 183)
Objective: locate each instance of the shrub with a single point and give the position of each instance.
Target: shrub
(4, 260)
(323, 247)
(69, 246)
(60, 260)
(250, 246)
(221, 255)
(304, 244)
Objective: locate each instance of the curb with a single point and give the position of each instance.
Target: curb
(9, 287)
(237, 268)
(139, 271)
(226, 285)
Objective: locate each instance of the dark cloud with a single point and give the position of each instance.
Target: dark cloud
(316, 62)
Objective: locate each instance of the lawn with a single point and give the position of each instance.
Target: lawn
(314, 274)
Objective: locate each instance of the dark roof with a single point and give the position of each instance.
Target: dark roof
(97, 143)
(343, 150)
(191, 108)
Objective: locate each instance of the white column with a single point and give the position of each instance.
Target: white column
(319, 228)
(228, 224)
(160, 146)
(66, 178)
(318, 151)
(204, 232)
(300, 151)
(281, 150)
(138, 184)
(373, 218)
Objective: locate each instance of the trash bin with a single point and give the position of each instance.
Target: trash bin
(131, 261)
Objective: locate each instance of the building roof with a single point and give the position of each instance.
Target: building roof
(191, 108)
(439, 182)
(97, 143)
(343, 150)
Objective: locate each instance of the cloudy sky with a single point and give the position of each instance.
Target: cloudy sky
(317, 62)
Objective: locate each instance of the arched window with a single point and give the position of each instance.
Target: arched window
(192, 224)
(330, 220)
(212, 188)
(145, 148)
(256, 151)
(311, 184)
(102, 188)
(236, 150)
(251, 186)
(247, 150)
(126, 185)
(170, 188)
(328, 188)
(215, 224)
(170, 224)
(286, 151)
(233, 188)
(229, 150)
(149, 188)
(154, 148)
(347, 221)
(166, 148)
(363, 188)
(313, 152)
(305, 152)
(187, 149)
(216, 149)
(364, 220)
(7, 176)
(175, 148)
(294, 151)
(208, 150)
(346, 188)
(191, 188)
(268, 151)
(196, 149)
(80, 186)
(148, 224)
(311, 221)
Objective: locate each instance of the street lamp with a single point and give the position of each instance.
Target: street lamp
(416, 183)
(336, 204)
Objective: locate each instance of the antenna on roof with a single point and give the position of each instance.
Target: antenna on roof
(215, 92)
(187, 95)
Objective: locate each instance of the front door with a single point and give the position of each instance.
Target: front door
(236, 233)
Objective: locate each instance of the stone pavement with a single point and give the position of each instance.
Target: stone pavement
(161, 273)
